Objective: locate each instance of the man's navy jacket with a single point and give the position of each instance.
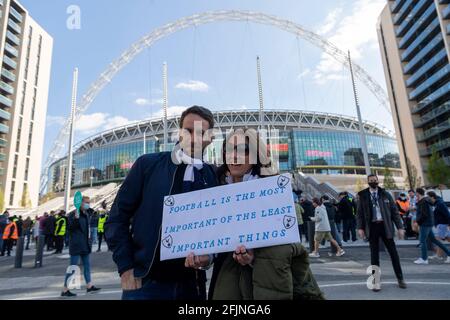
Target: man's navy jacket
(139, 205)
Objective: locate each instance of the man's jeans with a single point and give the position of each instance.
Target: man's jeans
(426, 233)
(349, 227)
(74, 260)
(94, 235)
(28, 237)
(155, 290)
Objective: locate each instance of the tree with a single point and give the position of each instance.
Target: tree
(389, 182)
(438, 171)
(25, 202)
(2, 200)
(412, 180)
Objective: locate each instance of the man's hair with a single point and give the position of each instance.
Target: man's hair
(411, 190)
(432, 194)
(325, 198)
(372, 175)
(204, 113)
(420, 191)
(316, 201)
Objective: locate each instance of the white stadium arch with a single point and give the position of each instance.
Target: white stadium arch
(196, 20)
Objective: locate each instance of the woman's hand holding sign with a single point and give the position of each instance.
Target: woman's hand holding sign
(243, 256)
(197, 262)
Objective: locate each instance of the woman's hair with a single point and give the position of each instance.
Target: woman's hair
(261, 166)
(316, 201)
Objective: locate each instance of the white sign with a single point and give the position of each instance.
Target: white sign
(258, 213)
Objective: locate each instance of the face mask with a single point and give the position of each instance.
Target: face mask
(403, 198)
(86, 206)
(373, 185)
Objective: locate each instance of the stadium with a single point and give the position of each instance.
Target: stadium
(325, 146)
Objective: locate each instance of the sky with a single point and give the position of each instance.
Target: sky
(213, 65)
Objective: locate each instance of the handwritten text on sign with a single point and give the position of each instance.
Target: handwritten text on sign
(257, 213)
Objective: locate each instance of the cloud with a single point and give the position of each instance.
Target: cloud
(97, 122)
(148, 102)
(193, 85)
(117, 121)
(355, 32)
(55, 120)
(330, 21)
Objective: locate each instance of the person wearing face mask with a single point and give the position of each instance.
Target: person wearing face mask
(376, 215)
(80, 245)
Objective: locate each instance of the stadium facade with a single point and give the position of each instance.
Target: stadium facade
(302, 141)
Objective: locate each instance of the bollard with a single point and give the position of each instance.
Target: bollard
(39, 252)
(311, 232)
(19, 252)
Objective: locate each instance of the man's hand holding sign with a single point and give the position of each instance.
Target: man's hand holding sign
(231, 218)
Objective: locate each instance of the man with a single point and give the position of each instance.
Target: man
(10, 235)
(140, 199)
(348, 219)
(377, 212)
(299, 213)
(323, 230)
(425, 219)
(103, 216)
(441, 220)
(331, 213)
(60, 231)
(80, 245)
(49, 230)
(308, 212)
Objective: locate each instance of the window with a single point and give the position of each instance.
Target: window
(11, 196)
(27, 167)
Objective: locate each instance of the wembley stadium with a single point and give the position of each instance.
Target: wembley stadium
(322, 145)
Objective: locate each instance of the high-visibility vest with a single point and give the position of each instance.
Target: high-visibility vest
(404, 205)
(101, 223)
(7, 231)
(60, 226)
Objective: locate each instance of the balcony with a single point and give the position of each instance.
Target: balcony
(439, 57)
(3, 142)
(430, 116)
(8, 75)
(435, 78)
(14, 26)
(10, 62)
(14, 13)
(427, 134)
(2, 156)
(6, 87)
(396, 6)
(432, 98)
(5, 115)
(4, 128)
(5, 101)
(423, 53)
(446, 12)
(9, 48)
(441, 145)
(432, 28)
(11, 36)
(411, 17)
(2, 171)
(412, 33)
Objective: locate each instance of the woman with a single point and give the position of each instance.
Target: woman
(279, 272)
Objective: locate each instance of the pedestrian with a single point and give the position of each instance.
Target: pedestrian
(299, 212)
(377, 212)
(94, 226)
(60, 231)
(345, 208)
(136, 251)
(331, 214)
(80, 245)
(308, 212)
(10, 235)
(27, 228)
(19, 223)
(323, 229)
(272, 273)
(49, 230)
(338, 217)
(103, 216)
(441, 221)
(425, 220)
(36, 229)
(414, 232)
